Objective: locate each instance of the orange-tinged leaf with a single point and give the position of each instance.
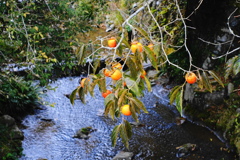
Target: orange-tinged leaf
(169, 51)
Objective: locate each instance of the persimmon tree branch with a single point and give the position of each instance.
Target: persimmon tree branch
(231, 41)
(185, 35)
(126, 22)
(162, 43)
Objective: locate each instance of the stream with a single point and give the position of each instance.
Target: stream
(49, 132)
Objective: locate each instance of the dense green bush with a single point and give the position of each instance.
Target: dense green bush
(10, 148)
(42, 33)
(17, 97)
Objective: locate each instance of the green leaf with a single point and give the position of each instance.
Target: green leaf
(138, 60)
(133, 86)
(96, 64)
(148, 83)
(123, 135)
(132, 67)
(109, 98)
(179, 102)
(200, 80)
(134, 109)
(122, 97)
(163, 11)
(81, 94)
(236, 66)
(108, 107)
(86, 85)
(206, 82)
(143, 32)
(229, 66)
(119, 17)
(114, 134)
(173, 94)
(102, 84)
(152, 57)
(80, 54)
(111, 106)
(92, 87)
(138, 103)
(128, 128)
(124, 41)
(157, 51)
(216, 78)
(72, 97)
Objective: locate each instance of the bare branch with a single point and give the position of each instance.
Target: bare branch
(215, 44)
(200, 3)
(230, 29)
(162, 46)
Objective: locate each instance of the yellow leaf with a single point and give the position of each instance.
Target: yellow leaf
(54, 60)
(36, 28)
(170, 50)
(41, 35)
(25, 14)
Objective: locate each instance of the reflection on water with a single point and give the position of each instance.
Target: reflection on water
(49, 133)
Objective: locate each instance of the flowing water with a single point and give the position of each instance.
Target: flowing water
(49, 133)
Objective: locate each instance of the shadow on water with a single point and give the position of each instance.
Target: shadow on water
(49, 133)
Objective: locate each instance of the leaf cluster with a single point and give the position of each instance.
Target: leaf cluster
(232, 67)
(206, 81)
(17, 97)
(10, 148)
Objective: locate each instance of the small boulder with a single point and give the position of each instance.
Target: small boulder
(185, 149)
(123, 156)
(137, 124)
(17, 133)
(7, 120)
(83, 133)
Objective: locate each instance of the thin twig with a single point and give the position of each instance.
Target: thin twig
(200, 3)
(215, 44)
(162, 44)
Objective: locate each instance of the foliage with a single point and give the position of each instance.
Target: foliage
(40, 33)
(167, 33)
(125, 131)
(230, 121)
(17, 96)
(10, 148)
(232, 67)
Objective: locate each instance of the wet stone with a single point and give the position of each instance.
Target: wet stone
(83, 133)
(185, 150)
(7, 120)
(137, 124)
(123, 156)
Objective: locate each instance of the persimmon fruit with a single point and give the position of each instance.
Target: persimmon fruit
(116, 66)
(105, 94)
(107, 72)
(143, 74)
(140, 47)
(126, 110)
(150, 46)
(112, 42)
(83, 81)
(136, 46)
(191, 77)
(116, 75)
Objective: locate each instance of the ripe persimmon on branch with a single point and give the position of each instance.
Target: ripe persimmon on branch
(168, 33)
